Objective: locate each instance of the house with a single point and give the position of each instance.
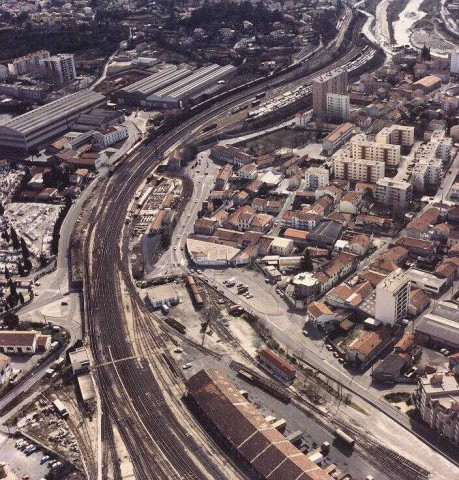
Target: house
(373, 223)
(248, 171)
(422, 248)
(79, 360)
(23, 342)
(320, 315)
(405, 344)
(261, 222)
(223, 177)
(299, 220)
(421, 225)
(109, 136)
(453, 238)
(391, 260)
(229, 154)
(351, 203)
(276, 365)
(359, 244)
(282, 246)
(368, 346)
(5, 368)
(299, 237)
(418, 302)
(392, 368)
(205, 226)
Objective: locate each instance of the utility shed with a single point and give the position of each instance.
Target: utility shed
(86, 387)
(163, 295)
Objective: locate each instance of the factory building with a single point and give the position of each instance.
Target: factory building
(40, 126)
(138, 93)
(201, 80)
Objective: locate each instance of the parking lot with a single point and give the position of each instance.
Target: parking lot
(21, 463)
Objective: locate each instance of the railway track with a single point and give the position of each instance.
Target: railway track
(131, 393)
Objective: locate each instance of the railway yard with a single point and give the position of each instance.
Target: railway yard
(175, 356)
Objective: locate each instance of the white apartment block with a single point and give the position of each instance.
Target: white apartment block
(454, 63)
(316, 177)
(443, 144)
(361, 148)
(392, 298)
(338, 106)
(396, 135)
(357, 170)
(393, 193)
(437, 399)
(60, 68)
(28, 63)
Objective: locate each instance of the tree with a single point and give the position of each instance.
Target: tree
(21, 298)
(11, 321)
(2, 209)
(165, 240)
(25, 249)
(21, 271)
(6, 236)
(15, 239)
(27, 264)
(306, 262)
(7, 273)
(425, 53)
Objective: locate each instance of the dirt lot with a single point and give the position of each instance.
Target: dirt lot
(285, 138)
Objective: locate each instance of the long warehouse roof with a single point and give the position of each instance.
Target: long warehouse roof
(268, 452)
(154, 82)
(53, 111)
(200, 77)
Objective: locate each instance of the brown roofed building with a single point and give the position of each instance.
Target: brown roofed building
(365, 348)
(245, 432)
(23, 341)
(415, 246)
(276, 365)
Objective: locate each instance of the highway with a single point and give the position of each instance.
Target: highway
(139, 387)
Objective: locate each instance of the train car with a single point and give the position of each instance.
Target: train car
(344, 437)
(60, 407)
(209, 127)
(260, 95)
(195, 293)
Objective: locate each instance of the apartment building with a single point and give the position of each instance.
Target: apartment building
(393, 193)
(392, 298)
(59, 69)
(437, 399)
(454, 63)
(316, 177)
(443, 144)
(28, 63)
(396, 135)
(338, 137)
(330, 82)
(3, 72)
(338, 107)
(361, 148)
(357, 170)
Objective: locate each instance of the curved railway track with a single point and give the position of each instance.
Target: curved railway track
(131, 391)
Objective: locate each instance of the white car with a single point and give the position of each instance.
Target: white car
(175, 248)
(249, 296)
(187, 366)
(178, 350)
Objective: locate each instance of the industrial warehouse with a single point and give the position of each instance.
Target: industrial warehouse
(265, 450)
(137, 93)
(174, 88)
(39, 126)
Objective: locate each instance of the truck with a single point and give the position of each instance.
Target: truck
(243, 289)
(61, 408)
(344, 437)
(316, 457)
(295, 437)
(165, 309)
(231, 282)
(280, 425)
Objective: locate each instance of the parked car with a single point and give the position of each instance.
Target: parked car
(187, 366)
